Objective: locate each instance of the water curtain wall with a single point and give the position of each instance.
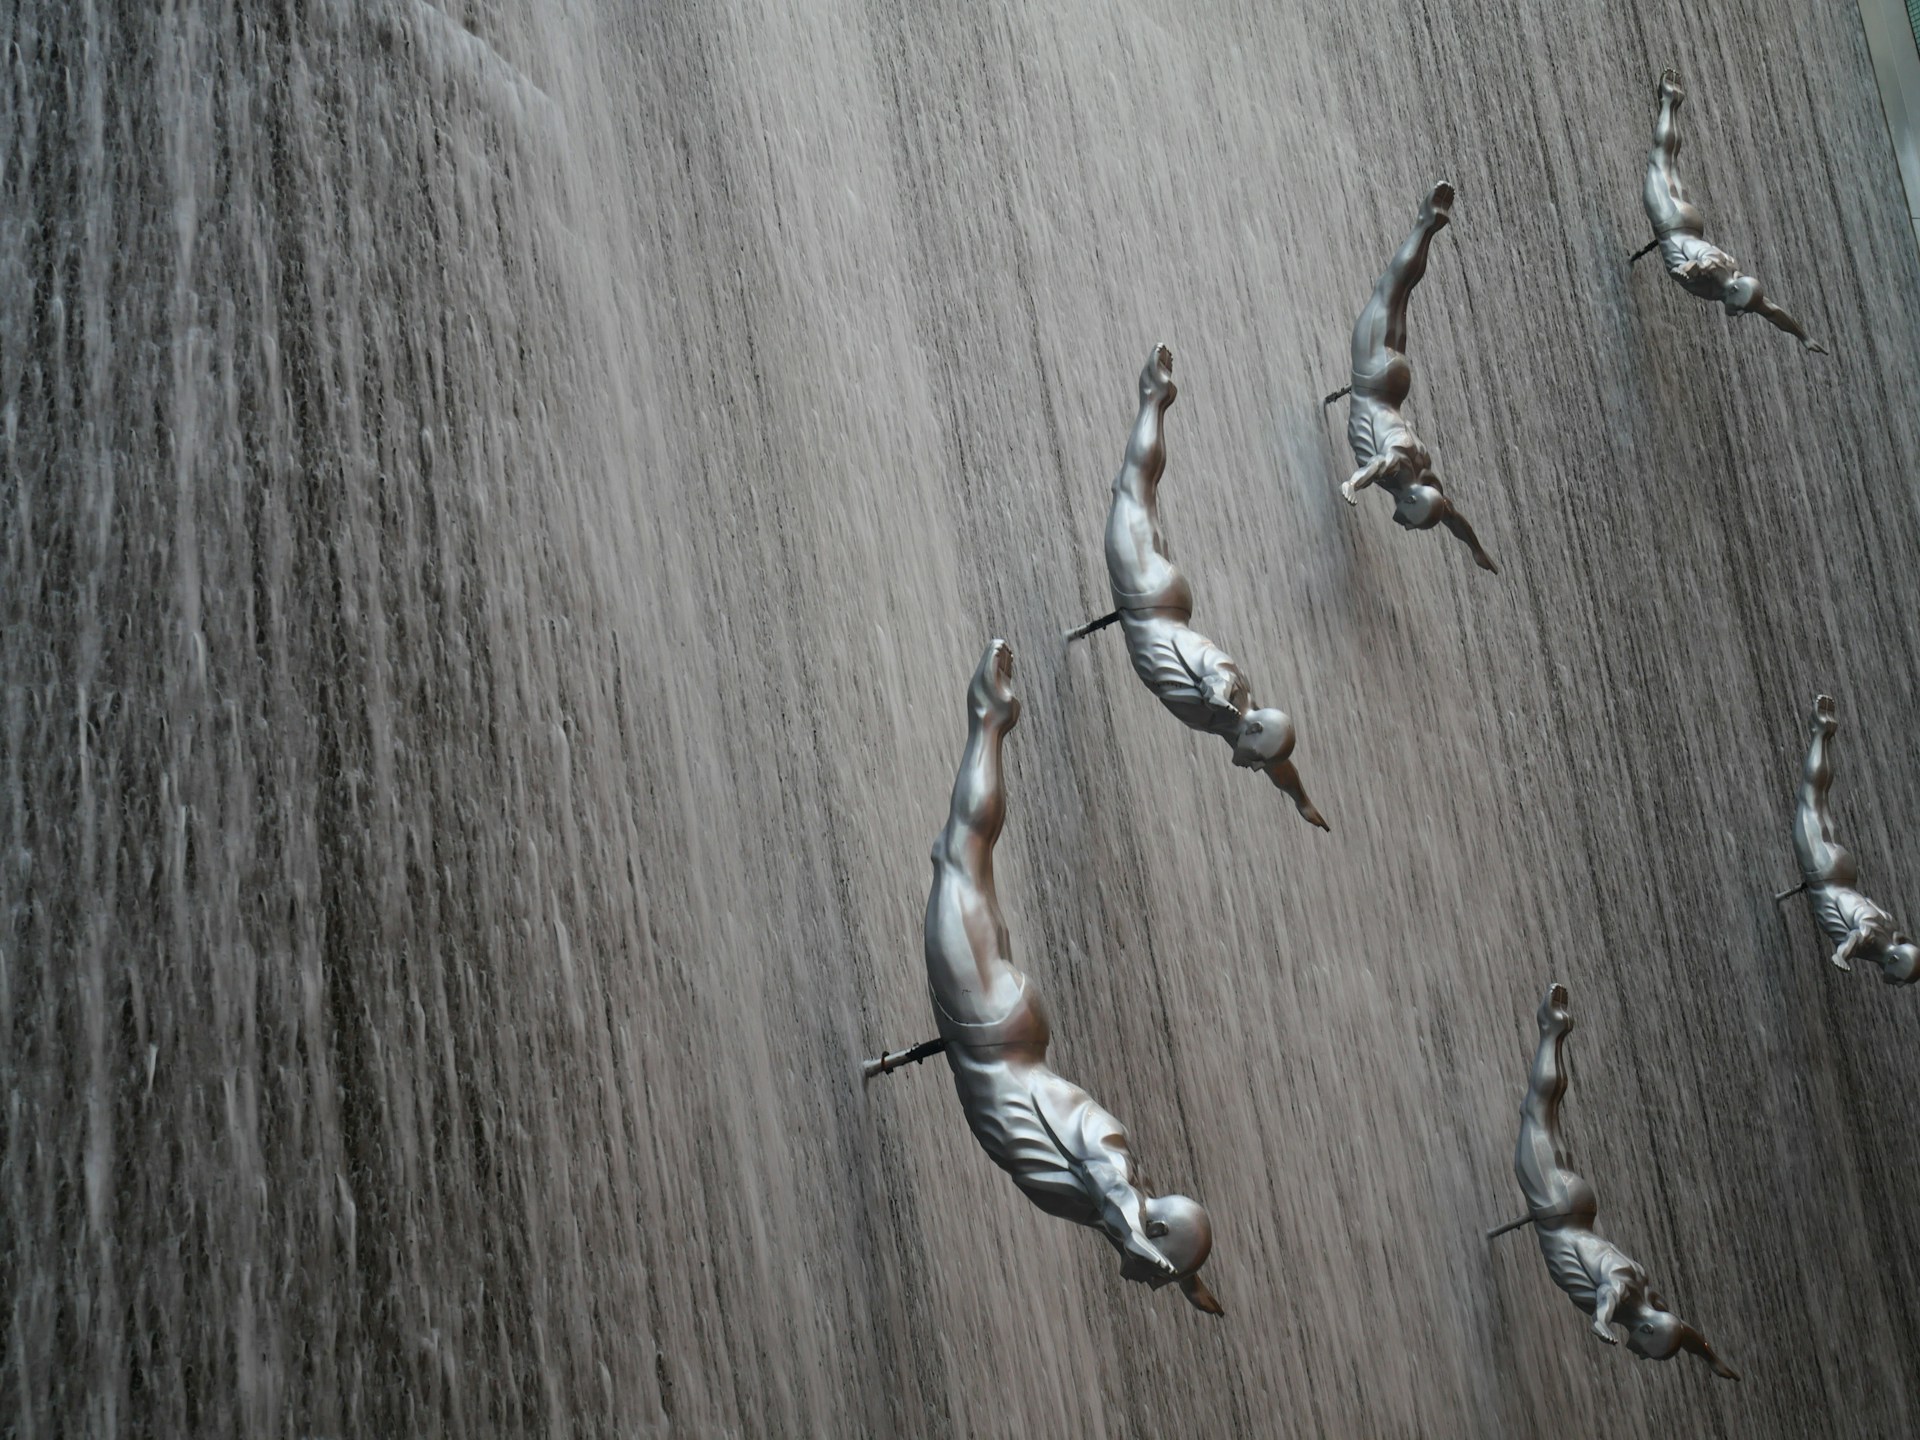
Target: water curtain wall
(499, 505)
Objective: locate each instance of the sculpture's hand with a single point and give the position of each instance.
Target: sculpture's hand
(1374, 470)
(1843, 957)
(1220, 694)
(1142, 1260)
(1606, 1331)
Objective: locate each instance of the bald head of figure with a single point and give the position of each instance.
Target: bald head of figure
(1266, 736)
(1656, 1333)
(1902, 965)
(1742, 293)
(1180, 1229)
(1422, 505)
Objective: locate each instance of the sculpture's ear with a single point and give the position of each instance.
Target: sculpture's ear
(1199, 1296)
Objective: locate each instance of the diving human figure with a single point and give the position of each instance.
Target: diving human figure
(1679, 229)
(1066, 1153)
(1385, 448)
(1193, 677)
(1857, 928)
(1596, 1274)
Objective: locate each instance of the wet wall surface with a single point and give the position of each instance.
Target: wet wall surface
(499, 509)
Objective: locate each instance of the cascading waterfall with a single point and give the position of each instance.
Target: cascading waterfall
(499, 506)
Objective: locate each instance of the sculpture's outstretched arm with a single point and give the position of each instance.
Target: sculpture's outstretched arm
(1458, 527)
(1777, 317)
(1692, 1340)
(1286, 776)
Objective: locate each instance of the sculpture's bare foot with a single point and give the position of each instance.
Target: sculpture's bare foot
(1826, 719)
(1438, 210)
(1671, 91)
(1555, 1018)
(1156, 380)
(990, 698)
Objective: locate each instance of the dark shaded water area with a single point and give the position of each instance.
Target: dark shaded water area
(499, 506)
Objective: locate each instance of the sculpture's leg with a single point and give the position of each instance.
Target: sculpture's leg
(1382, 325)
(1136, 563)
(1539, 1160)
(1823, 859)
(1662, 195)
(966, 939)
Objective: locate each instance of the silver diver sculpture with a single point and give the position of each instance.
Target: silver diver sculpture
(1192, 676)
(1385, 448)
(1561, 1206)
(1679, 230)
(1858, 928)
(1067, 1154)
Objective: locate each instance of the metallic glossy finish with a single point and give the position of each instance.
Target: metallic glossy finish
(1193, 677)
(1561, 1205)
(1700, 267)
(1858, 928)
(1385, 448)
(1066, 1154)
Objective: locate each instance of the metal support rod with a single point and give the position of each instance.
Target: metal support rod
(891, 1060)
(1343, 390)
(1091, 626)
(1510, 1225)
(1646, 249)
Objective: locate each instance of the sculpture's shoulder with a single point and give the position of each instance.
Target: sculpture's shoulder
(1698, 265)
(1177, 663)
(1087, 1131)
(1839, 910)
(1581, 1260)
(1059, 1145)
(1375, 424)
